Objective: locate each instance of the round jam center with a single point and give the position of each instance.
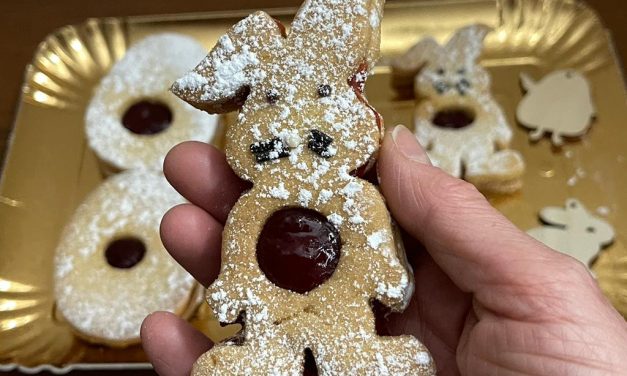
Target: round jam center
(125, 253)
(298, 249)
(454, 118)
(147, 117)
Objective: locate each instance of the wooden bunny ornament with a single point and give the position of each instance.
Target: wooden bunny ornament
(457, 119)
(574, 231)
(303, 129)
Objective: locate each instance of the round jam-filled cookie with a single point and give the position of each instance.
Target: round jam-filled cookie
(111, 269)
(311, 245)
(133, 120)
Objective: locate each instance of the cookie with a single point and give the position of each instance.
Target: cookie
(111, 269)
(308, 248)
(457, 120)
(133, 120)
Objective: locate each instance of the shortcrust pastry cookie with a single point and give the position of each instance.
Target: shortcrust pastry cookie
(133, 119)
(111, 269)
(457, 120)
(308, 248)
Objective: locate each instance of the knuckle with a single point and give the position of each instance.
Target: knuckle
(456, 193)
(570, 269)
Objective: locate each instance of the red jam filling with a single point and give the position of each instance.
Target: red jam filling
(298, 249)
(454, 118)
(358, 83)
(147, 117)
(125, 253)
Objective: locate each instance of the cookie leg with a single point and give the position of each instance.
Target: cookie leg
(499, 172)
(248, 359)
(376, 356)
(449, 162)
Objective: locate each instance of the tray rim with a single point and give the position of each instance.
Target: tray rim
(206, 16)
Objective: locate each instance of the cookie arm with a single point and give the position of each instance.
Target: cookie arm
(502, 132)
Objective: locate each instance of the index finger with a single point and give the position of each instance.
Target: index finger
(200, 173)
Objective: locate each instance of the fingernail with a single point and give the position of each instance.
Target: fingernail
(408, 145)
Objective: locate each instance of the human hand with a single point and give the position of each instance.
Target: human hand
(489, 299)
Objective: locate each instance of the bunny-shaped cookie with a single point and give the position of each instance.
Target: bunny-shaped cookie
(457, 119)
(308, 248)
(574, 231)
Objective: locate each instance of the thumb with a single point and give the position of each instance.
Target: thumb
(475, 245)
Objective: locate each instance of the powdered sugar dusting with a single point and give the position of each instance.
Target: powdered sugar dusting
(104, 302)
(146, 73)
(452, 78)
(303, 105)
(377, 238)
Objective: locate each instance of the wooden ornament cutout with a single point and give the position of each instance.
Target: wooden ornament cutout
(573, 230)
(560, 104)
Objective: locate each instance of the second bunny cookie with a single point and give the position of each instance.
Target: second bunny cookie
(457, 119)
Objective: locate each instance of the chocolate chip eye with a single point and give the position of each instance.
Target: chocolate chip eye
(319, 143)
(272, 96)
(324, 91)
(440, 71)
(441, 87)
(591, 230)
(270, 150)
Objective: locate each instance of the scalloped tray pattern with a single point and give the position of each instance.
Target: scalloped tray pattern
(49, 169)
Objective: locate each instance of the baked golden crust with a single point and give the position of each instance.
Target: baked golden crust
(303, 127)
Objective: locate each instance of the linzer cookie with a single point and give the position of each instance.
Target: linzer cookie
(309, 247)
(111, 269)
(133, 120)
(457, 119)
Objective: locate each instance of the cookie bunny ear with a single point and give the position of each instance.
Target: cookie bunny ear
(407, 66)
(222, 81)
(341, 34)
(466, 44)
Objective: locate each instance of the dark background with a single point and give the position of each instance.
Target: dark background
(24, 23)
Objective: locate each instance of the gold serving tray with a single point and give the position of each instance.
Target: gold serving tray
(49, 169)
